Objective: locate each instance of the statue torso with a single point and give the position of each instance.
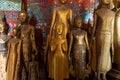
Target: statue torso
(78, 37)
(63, 15)
(105, 19)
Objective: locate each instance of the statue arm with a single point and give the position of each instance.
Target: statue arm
(70, 44)
(87, 44)
(94, 28)
(71, 24)
(8, 45)
(53, 21)
(112, 40)
(34, 48)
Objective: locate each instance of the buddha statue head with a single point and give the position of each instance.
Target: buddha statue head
(22, 16)
(63, 1)
(78, 21)
(2, 27)
(23, 13)
(59, 29)
(15, 31)
(105, 1)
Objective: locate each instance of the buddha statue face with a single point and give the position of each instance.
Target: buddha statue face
(15, 31)
(59, 29)
(63, 1)
(106, 1)
(78, 22)
(2, 27)
(22, 16)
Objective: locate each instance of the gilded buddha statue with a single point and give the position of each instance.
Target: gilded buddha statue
(79, 43)
(57, 47)
(26, 33)
(14, 57)
(103, 30)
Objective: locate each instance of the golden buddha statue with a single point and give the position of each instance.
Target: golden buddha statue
(104, 29)
(59, 56)
(57, 47)
(14, 57)
(26, 32)
(79, 43)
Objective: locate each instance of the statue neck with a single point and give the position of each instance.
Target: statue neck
(15, 37)
(23, 23)
(63, 5)
(104, 6)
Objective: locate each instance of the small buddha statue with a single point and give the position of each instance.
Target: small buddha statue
(79, 43)
(14, 57)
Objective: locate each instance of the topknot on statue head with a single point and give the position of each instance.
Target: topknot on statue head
(23, 12)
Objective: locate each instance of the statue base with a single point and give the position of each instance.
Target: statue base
(113, 74)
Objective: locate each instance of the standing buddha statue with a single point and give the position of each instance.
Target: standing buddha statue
(104, 29)
(26, 33)
(57, 47)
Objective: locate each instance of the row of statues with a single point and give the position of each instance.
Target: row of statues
(75, 43)
(65, 42)
(67, 45)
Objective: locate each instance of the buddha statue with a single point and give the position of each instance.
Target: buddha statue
(104, 31)
(57, 52)
(26, 33)
(79, 43)
(14, 57)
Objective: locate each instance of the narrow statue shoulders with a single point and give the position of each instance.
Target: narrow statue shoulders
(103, 11)
(31, 27)
(74, 31)
(58, 8)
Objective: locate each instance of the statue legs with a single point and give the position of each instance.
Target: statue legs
(98, 75)
(103, 76)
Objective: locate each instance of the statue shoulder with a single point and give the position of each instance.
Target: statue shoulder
(54, 9)
(69, 9)
(84, 32)
(31, 27)
(112, 12)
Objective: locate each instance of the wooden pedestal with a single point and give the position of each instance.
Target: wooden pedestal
(113, 74)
